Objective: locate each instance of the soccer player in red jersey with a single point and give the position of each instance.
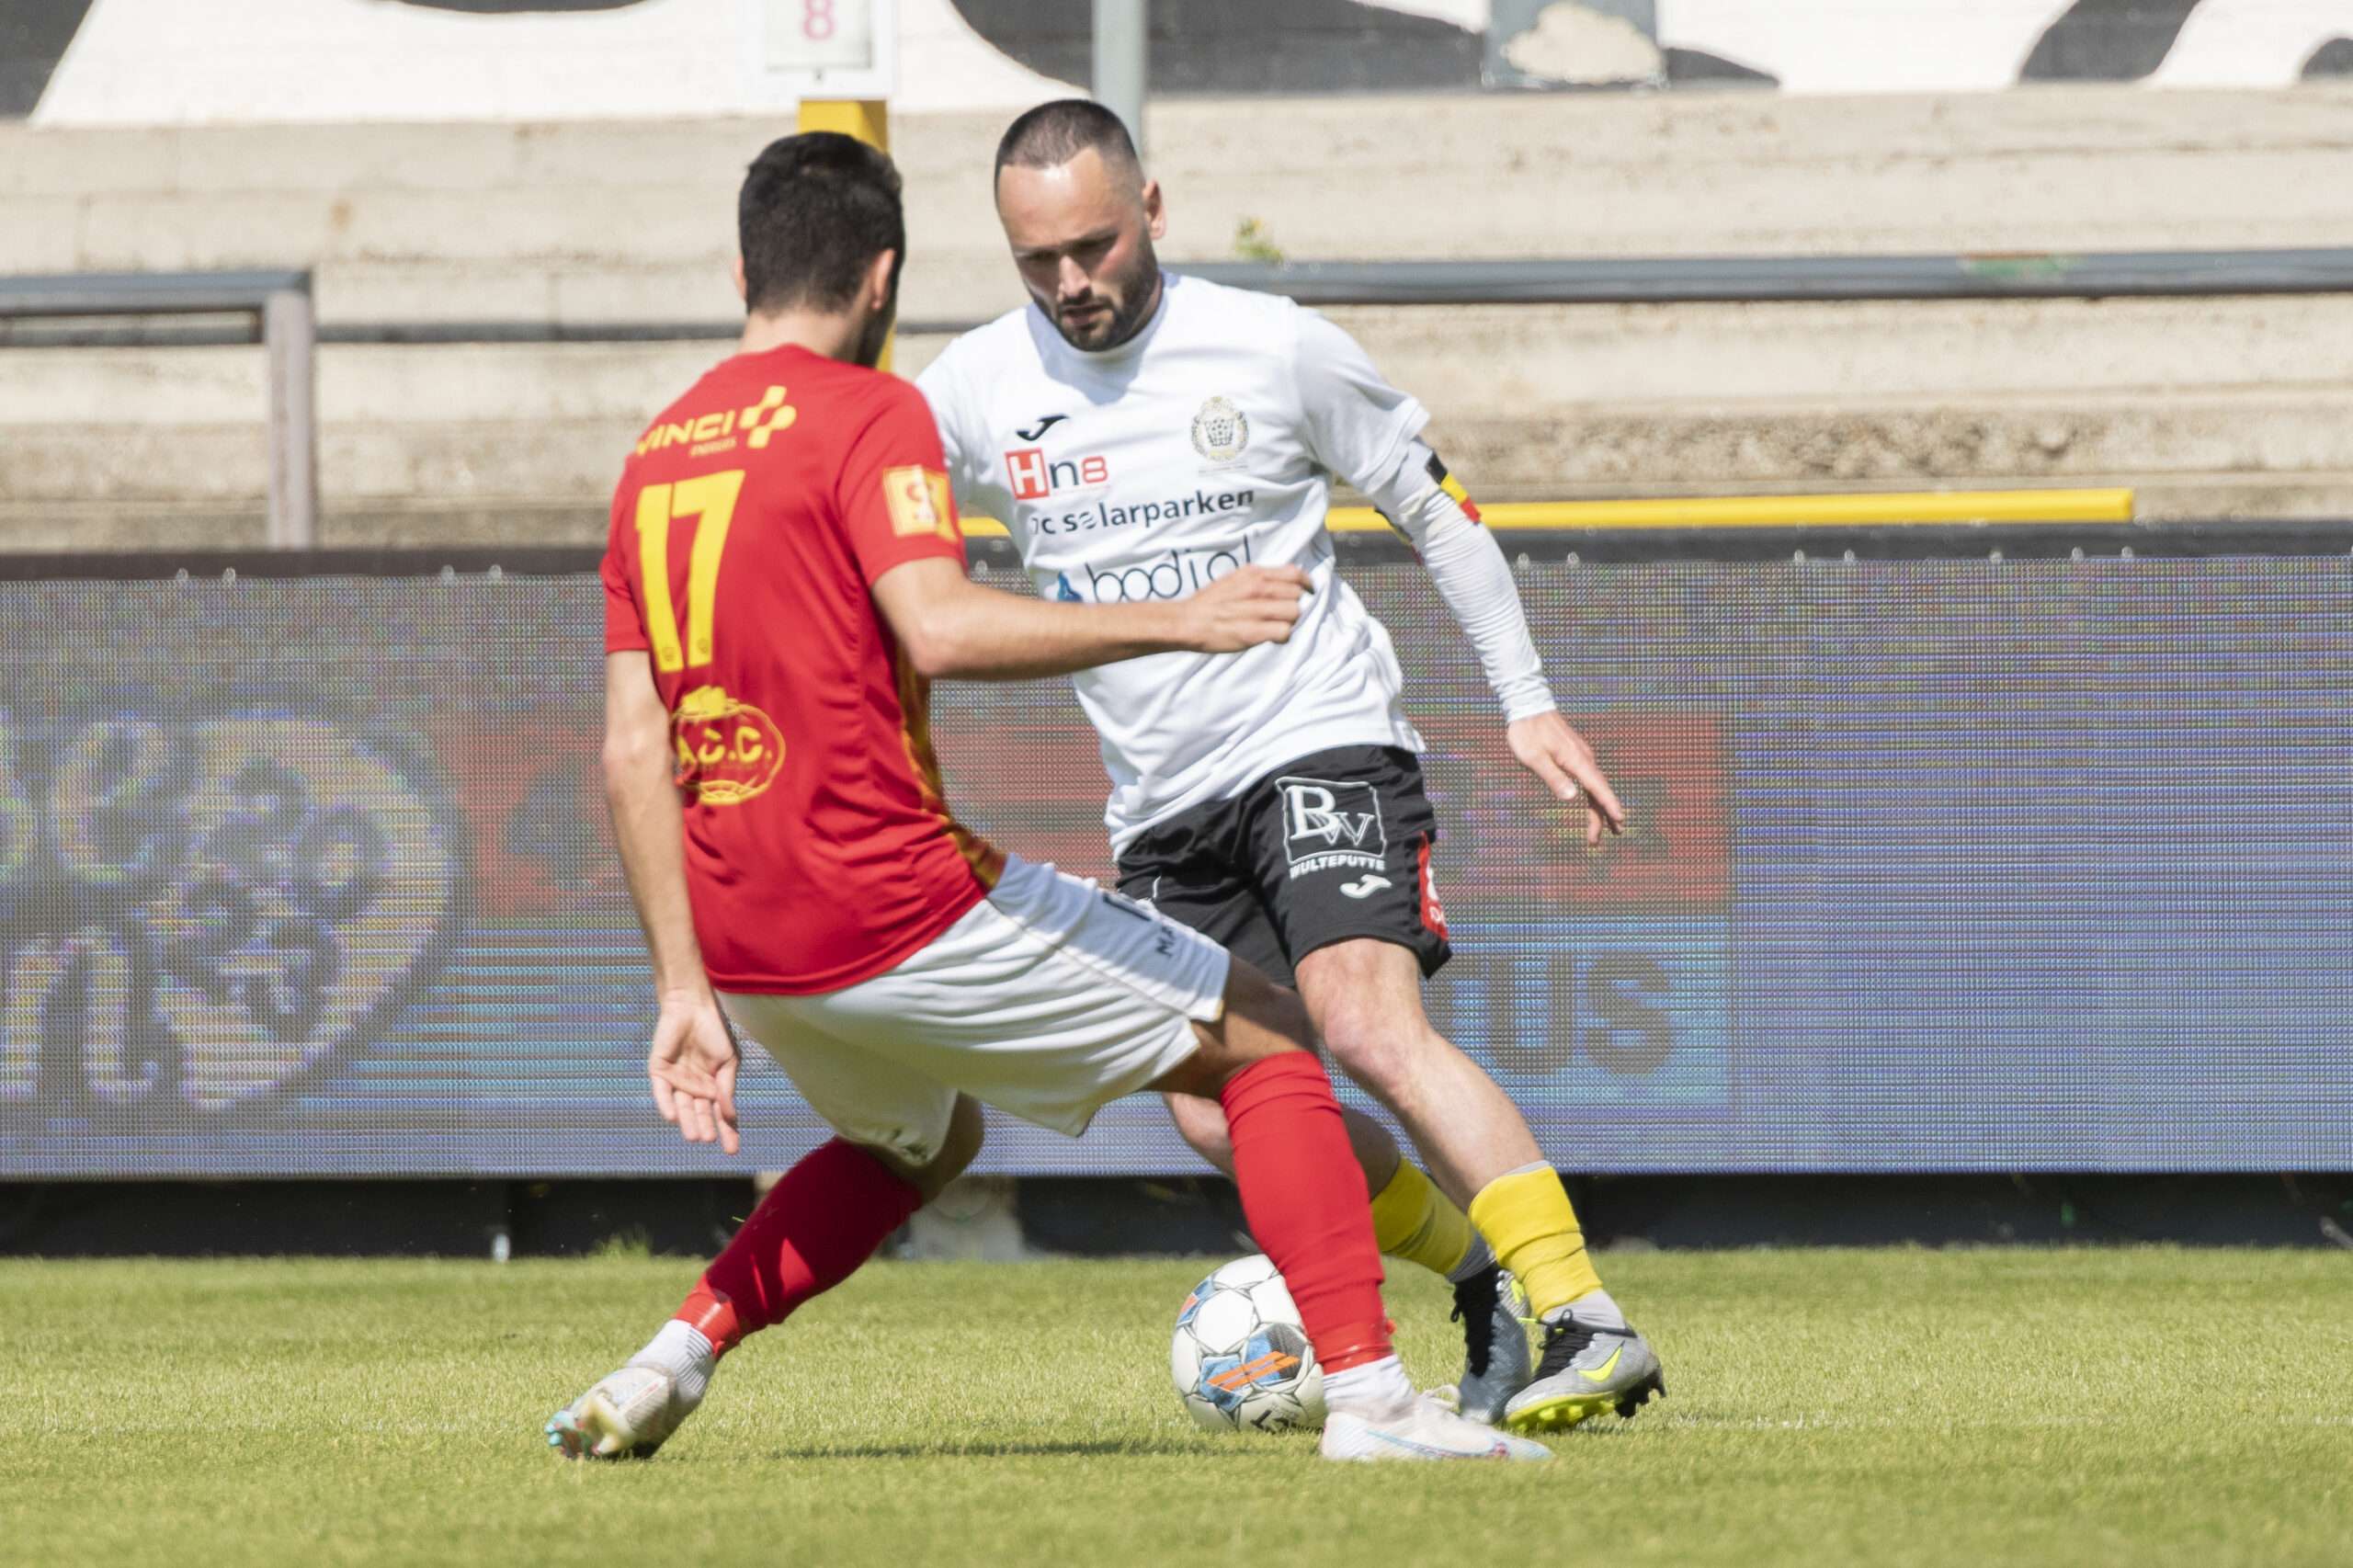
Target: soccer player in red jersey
(785, 574)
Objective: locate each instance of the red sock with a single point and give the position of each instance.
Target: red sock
(815, 1226)
(1304, 1197)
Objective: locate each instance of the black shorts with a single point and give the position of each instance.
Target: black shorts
(1329, 848)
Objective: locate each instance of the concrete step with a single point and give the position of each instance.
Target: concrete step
(618, 220)
(1529, 402)
(1468, 357)
(2228, 405)
(47, 526)
(429, 522)
(2251, 443)
(533, 480)
(1512, 358)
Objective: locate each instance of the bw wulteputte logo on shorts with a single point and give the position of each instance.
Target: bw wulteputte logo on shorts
(1221, 431)
(1331, 824)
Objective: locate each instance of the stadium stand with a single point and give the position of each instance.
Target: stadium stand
(2213, 408)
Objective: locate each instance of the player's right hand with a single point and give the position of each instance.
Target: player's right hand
(692, 1065)
(1245, 608)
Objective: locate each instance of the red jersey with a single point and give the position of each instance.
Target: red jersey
(749, 527)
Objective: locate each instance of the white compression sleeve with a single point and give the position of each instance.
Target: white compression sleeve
(1472, 577)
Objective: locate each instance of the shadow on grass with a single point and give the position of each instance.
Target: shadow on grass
(1173, 1449)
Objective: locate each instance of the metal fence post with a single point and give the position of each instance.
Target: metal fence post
(1123, 55)
(290, 337)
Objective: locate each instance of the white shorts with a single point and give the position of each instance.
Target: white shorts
(1049, 999)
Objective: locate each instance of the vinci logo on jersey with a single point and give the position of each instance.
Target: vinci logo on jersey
(757, 424)
(1035, 477)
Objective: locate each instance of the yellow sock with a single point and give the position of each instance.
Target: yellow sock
(1413, 1220)
(1526, 1219)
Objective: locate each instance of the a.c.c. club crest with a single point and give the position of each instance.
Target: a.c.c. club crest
(1221, 431)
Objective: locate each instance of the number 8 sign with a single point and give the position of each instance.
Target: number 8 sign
(828, 48)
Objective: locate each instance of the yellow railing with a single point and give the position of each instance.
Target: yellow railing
(1764, 511)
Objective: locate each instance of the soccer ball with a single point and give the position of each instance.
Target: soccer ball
(1240, 1357)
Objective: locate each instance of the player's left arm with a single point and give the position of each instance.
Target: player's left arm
(1369, 433)
(1422, 502)
(692, 1062)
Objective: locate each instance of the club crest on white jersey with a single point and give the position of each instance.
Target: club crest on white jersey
(1221, 431)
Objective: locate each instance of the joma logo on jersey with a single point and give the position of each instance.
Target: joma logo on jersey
(1330, 824)
(717, 431)
(1035, 478)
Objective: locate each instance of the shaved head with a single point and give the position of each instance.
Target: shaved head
(1056, 132)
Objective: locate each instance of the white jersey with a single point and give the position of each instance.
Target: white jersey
(1206, 442)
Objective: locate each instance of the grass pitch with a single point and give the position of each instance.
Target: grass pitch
(1891, 1408)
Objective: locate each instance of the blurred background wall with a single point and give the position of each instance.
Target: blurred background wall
(574, 161)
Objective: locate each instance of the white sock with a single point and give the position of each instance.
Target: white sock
(1378, 1390)
(681, 1350)
(1480, 1257)
(1594, 1308)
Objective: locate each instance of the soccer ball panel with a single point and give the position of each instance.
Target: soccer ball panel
(1222, 1324)
(1309, 1392)
(1245, 1272)
(1209, 1417)
(1272, 1300)
(1279, 1410)
(1183, 1360)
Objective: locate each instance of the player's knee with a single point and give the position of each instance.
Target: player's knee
(1271, 1015)
(959, 1147)
(1261, 1019)
(962, 1146)
(1372, 1047)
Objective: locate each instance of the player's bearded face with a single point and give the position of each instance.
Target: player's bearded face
(1082, 236)
(1113, 306)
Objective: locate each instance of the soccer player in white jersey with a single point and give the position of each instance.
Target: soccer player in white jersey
(1141, 434)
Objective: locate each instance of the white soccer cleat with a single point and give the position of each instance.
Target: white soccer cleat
(626, 1416)
(1426, 1431)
